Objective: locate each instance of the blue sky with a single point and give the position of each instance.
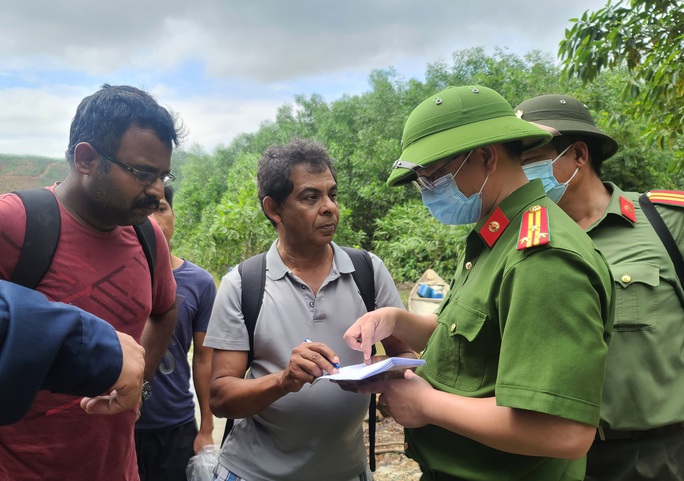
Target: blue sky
(225, 66)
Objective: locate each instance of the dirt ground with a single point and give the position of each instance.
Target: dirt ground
(391, 463)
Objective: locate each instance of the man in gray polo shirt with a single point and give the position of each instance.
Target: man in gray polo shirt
(286, 429)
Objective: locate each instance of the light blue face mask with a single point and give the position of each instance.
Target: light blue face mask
(449, 205)
(544, 170)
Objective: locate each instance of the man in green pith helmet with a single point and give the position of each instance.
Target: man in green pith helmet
(516, 352)
(641, 434)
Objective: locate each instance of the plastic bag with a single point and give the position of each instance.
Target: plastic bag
(201, 466)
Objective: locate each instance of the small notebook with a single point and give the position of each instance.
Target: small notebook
(358, 372)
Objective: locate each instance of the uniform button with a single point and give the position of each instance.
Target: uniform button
(311, 304)
(468, 265)
(453, 327)
(494, 226)
(626, 278)
(303, 286)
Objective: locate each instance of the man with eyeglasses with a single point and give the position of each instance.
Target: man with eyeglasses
(641, 434)
(516, 352)
(119, 158)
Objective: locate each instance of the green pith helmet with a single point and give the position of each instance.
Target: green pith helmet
(567, 116)
(455, 120)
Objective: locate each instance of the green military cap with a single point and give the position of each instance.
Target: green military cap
(455, 120)
(565, 116)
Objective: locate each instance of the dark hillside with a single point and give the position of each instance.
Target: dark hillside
(25, 172)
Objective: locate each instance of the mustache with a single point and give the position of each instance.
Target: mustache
(147, 203)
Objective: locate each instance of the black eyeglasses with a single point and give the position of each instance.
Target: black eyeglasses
(429, 182)
(141, 177)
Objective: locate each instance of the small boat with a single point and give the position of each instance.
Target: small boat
(427, 293)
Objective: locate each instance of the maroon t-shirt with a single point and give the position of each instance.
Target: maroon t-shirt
(105, 273)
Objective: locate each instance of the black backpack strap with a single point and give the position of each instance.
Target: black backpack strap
(363, 275)
(364, 278)
(43, 225)
(148, 241)
(665, 235)
(253, 274)
(253, 277)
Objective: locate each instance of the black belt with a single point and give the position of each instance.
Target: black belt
(607, 434)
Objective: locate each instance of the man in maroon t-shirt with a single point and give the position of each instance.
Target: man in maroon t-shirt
(119, 157)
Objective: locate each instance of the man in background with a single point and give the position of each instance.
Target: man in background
(641, 434)
(166, 435)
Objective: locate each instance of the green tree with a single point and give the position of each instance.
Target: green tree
(219, 219)
(409, 240)
(646, 37)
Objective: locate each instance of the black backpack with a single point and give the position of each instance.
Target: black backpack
(43, 225)
(253, 274)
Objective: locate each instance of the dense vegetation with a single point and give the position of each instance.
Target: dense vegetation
(623, 61)
(647, 38)
(219, 218)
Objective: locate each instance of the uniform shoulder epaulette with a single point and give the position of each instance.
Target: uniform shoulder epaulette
(667, 197)
(534, 228)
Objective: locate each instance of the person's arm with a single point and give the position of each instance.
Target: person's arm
(412, 402)
(155, 338)
(126, 391)
(233, 396)
(61, 348)
(414, 330)
(387, 295)
(201, 377)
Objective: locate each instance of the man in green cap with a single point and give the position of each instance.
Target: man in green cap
(516, 352)
(641, 434)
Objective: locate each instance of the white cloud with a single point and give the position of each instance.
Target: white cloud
(213, 121)
(226, 65)
(36, 121)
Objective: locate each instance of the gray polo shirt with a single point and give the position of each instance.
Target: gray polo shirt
(316, 433)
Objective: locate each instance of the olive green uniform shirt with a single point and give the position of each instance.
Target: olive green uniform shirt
(530, 327)
(644, 385)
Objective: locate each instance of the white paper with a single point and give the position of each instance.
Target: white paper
(358, 372)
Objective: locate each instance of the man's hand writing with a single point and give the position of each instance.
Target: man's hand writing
(307, 362)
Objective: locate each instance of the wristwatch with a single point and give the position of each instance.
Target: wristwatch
(146, 390)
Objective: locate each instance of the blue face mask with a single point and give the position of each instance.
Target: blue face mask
(544, 170)
(449, 205)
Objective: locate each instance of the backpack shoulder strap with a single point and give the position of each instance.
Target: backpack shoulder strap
(253, 277)
(665, 235)
(364, 278)
(253, 274)
(148, 241)
(363, 275)
(43, 225)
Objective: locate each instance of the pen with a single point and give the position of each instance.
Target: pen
(335, 364)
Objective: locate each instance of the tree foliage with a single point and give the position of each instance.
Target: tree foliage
(409, 240)
(647, 38)
(219, 220)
